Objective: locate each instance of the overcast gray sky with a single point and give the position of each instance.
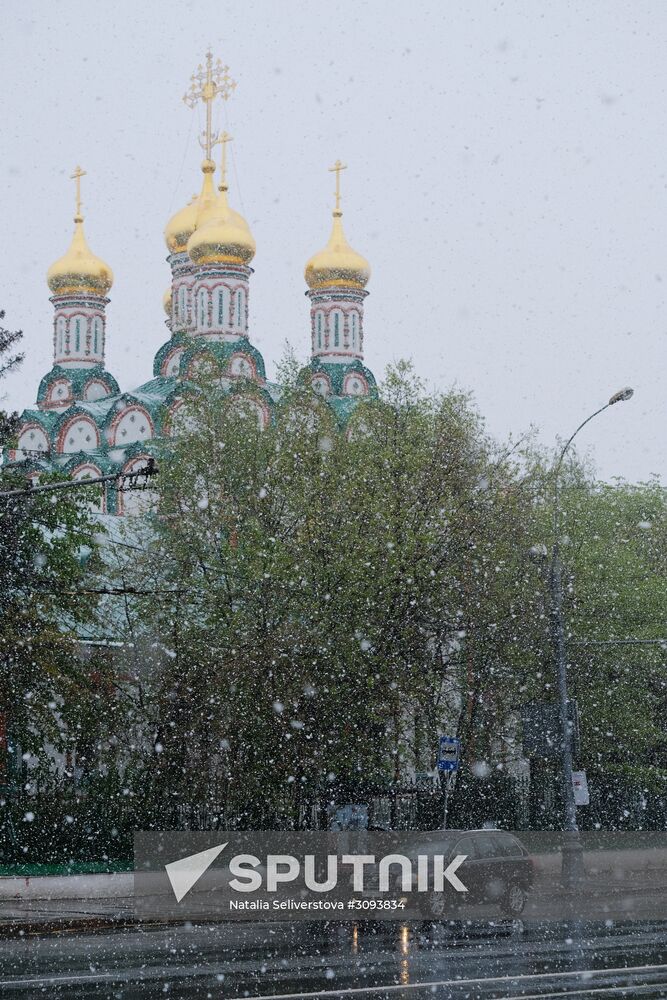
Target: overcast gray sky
(507, 181)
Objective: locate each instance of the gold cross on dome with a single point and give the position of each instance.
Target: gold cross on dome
(207, 83)
(336, 169)
(76, 176)
(222, 140)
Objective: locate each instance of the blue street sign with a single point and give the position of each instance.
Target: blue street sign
(449, 751)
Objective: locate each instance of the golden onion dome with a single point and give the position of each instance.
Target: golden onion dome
(338, 263)
(222, 236)
(181, 226)
(79, 270)
(166, 301)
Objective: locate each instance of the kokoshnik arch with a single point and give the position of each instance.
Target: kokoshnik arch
(84, 426)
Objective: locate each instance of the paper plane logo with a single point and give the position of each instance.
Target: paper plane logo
(185, 872)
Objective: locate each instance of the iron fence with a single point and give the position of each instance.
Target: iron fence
(58, 824)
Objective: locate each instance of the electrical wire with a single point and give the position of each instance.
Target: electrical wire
(180, 172)
(228, 128)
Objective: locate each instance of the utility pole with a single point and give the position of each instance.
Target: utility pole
(573, 860)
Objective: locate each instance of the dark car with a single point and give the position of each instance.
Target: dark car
(497, 871)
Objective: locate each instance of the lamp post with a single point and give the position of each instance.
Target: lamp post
(572, 866)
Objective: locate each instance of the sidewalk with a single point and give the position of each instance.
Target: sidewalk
(47, 903)
(95, 886)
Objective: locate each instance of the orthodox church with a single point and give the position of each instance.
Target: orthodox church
(84, 426)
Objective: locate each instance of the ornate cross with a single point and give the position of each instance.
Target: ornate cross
(76, 176)
(336, 169)
(206, 84)
(222, 140)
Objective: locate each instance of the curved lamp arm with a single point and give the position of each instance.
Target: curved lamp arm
(618, 397)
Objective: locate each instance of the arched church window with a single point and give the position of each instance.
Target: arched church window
(97, 335)
(239, 309)
(202, 319)
(222, 319)
(336, 329)
(354, 329)
(77, 335)
(60, 335)
(319, 331)
(181, 303)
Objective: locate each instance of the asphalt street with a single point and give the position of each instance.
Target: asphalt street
(339, 960)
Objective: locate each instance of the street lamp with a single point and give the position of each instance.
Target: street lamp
(572, 868)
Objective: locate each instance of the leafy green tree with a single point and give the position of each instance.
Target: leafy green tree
(43, 540)
(41, 545)
(328, 600)
(315, 605)
(10, 360)
(613, 548)
(617, 612)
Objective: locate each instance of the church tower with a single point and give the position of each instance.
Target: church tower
(337, 278)
(79, 282)
(210, 250)
(178, 297)
(221, 249)
(210, 81)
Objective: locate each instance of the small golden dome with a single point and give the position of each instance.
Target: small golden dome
(166, 301)
(207, 196)
(338, 263)
(181, 226)
(79, 270)
(222, 236)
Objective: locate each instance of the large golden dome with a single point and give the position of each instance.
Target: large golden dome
(222, 236)
(79, 270)
(338, 263)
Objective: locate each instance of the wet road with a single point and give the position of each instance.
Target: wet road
(389, 960)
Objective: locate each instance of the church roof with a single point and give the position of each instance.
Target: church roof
(78, 378)
(223, 351)
(47, 418)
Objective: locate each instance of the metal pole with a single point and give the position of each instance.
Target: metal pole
(573, 858)
(560, 654)
(444, 808)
